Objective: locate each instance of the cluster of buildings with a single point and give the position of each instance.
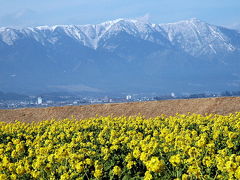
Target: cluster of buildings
(61, 101)
(48, 101)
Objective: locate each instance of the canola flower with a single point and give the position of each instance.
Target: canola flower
(183, 147)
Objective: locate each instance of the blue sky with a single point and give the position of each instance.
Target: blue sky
(49, 12)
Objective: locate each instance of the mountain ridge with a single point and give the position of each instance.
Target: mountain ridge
(90, 35)
(120, 56)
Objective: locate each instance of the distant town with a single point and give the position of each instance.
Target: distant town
(13, 101)
(67, 100)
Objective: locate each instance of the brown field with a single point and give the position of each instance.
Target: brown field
(222, 106)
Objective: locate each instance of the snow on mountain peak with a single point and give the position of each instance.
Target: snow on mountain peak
(9, 35)
(194, 36)
(197, 37)
(112, 22)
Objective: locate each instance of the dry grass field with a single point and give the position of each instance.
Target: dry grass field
(223, 106)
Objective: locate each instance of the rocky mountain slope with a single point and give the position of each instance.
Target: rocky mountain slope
(120, 56)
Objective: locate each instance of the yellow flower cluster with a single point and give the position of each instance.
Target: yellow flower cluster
(184, 147)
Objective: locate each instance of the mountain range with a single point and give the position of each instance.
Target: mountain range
(120, 56)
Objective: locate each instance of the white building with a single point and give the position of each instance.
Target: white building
(173, 95)
(128, 97)
(39, 100)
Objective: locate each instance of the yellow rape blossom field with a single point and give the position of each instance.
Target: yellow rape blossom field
(184, 147)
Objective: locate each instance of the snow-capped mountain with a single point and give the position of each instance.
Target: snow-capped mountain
(199, 38)
(193, 36)
(87, 35)
(107, 55)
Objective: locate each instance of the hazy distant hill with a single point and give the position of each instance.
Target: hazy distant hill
(120, 56)
(12, 96)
